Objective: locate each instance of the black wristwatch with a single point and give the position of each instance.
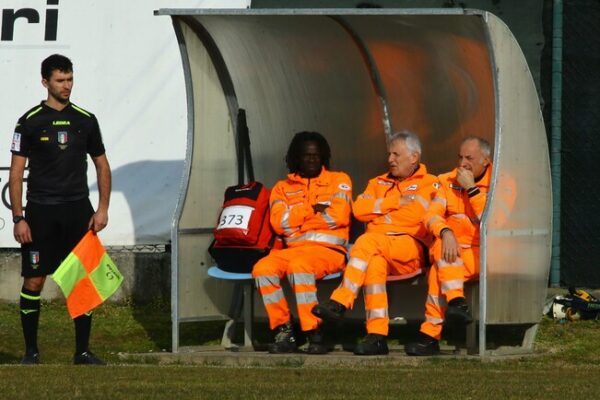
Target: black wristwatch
(18, 218)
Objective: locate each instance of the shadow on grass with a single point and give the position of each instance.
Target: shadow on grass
(155, 318)
(8, 358)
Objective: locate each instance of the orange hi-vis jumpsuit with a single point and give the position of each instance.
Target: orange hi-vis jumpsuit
(393, 243)
(316, 242)
(453, 208)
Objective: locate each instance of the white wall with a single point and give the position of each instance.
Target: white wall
(128, 72)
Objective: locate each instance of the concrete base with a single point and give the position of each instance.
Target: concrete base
(147, 277)
(213, 356)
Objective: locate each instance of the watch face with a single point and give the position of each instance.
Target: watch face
(18, 218)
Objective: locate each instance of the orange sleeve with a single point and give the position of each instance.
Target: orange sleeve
(478, 203)
(434, 218)
(286, 220)
(337, 215)
(367, 206)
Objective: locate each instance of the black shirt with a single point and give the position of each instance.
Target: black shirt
(57, 144)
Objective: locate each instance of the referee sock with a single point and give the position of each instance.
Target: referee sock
(83, 327)
(30, 315)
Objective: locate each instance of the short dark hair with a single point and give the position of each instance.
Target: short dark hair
(292, 158)
(55, 62)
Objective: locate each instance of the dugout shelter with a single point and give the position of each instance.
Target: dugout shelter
(357, 75)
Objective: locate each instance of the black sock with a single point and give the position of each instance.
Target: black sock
(83, 327)
(30, 315)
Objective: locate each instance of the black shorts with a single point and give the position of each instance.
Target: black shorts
(55, 229)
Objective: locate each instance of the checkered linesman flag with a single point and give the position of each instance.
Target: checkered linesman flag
(88, 276)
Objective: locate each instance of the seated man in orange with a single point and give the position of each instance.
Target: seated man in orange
(453, 219)
(393, 204)
(311, 210)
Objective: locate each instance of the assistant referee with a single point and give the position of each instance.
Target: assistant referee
(55, 136)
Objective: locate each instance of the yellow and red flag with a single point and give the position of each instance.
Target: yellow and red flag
(87, 276)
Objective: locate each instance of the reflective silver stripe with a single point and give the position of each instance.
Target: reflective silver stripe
(329, 219)
(285, 223)
(377, 313)
(424, 203)
(348, 284)
(301, 278)
(436, 300)
(318, 237)
(441, 201)
(452, 285)
(387, 219)
(267, 280)
(406, 199)
(377, 206)
(443, 264)
(433, 320)
(306, 297)
(433, 219)
(358, 263)
(376, 288)
(343, 195)
(458, 216)
(365, 196)
(273, 298)
(277, 201)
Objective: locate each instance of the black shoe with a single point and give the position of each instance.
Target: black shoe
(330, 310)
(316, 343)
(425, 346)
(285, 341)
(30, 359)
(458, 312)
(373, 344)
(87, 358)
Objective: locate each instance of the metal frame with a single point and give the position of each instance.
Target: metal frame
(182, 192)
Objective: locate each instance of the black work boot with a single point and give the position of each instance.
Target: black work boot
(316, 342)
(458, 312)
(330, 310)
(31, 358)
(425, 346)
(87, 358)
(285, 341)
(372, 345)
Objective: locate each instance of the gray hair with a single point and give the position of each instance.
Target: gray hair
(409, 138)
(484, 145)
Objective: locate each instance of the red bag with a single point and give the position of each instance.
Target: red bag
(243, 234)
(244, 219)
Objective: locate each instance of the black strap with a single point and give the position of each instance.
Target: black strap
(244, 156)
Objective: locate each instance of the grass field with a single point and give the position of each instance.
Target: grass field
(567, 364)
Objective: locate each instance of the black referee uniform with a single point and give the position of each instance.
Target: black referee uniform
(58, 209)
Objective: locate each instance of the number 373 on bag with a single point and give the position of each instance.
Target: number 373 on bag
(237, 217)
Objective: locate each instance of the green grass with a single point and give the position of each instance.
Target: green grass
(566, 365)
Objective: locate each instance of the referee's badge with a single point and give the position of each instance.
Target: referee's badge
(63, 138)
(34, 258)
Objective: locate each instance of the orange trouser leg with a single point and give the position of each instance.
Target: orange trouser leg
(267, 274)
(372, 258)
(376, 301)
(446, 282)
(399, 255)
(366, 246)
(307, 264)
(452, 276)
(435, 306)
